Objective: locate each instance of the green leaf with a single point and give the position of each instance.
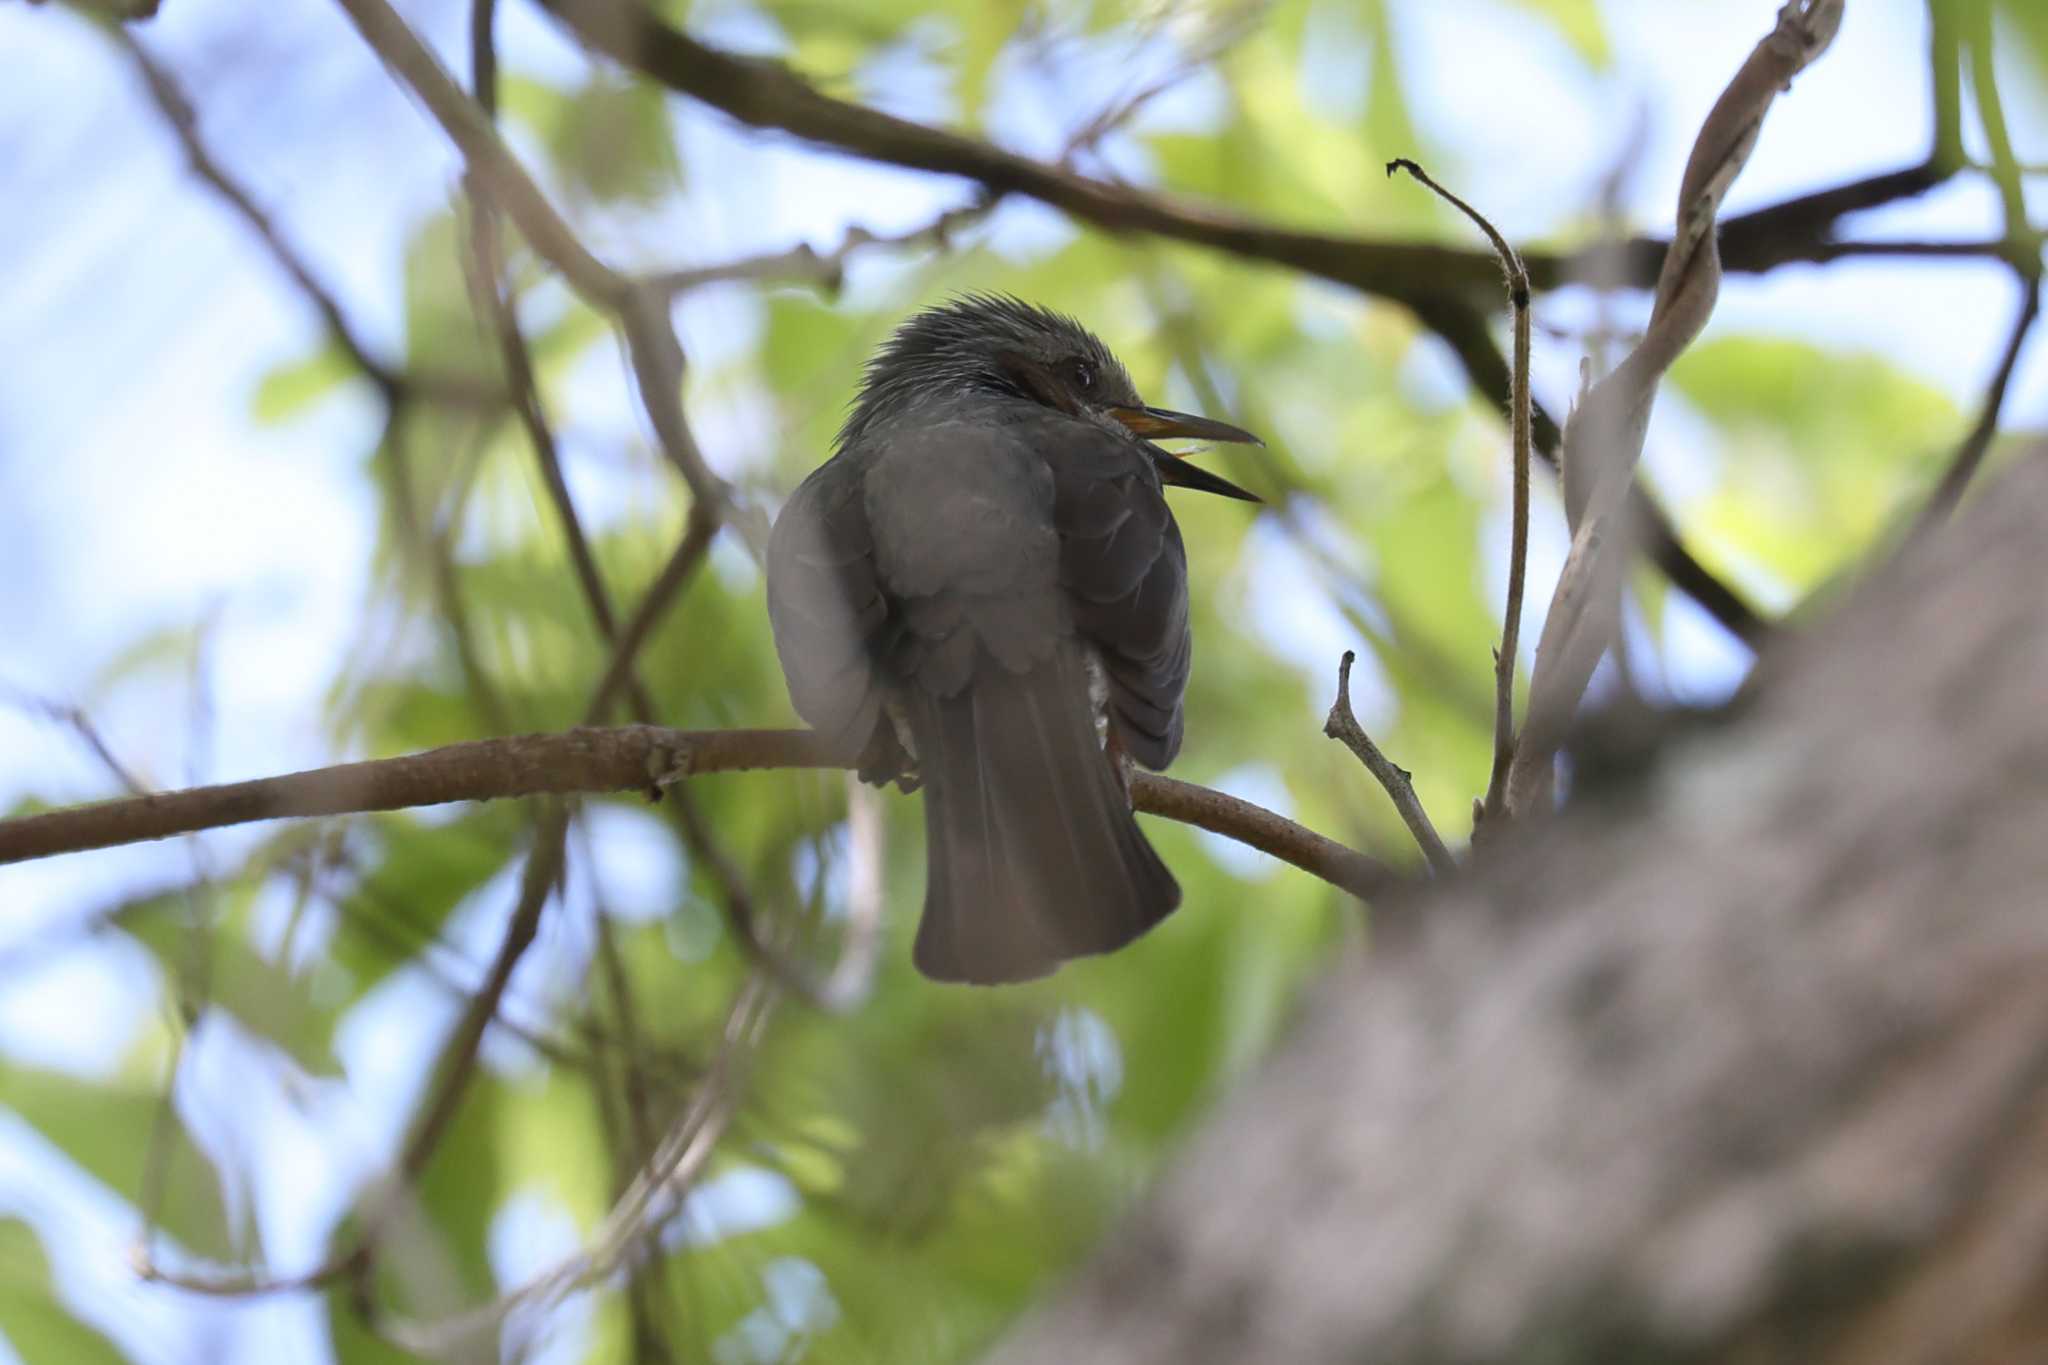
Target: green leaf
(33, 1320)
(2029, 20)
(1824, 448)
(107, 1128)
(443, 333)
(296, 385)
(609, 140)
(263, 996)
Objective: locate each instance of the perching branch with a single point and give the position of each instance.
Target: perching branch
(589, 761)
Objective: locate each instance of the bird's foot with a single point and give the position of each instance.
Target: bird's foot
(885, 760)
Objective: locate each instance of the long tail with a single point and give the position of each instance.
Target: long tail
(1034, 854)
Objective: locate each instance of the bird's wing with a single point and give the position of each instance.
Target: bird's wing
(962, 514)
(1125, 572)
(1034, 853)
(825, 603)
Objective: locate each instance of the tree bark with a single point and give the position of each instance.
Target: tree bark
(1745, 1058)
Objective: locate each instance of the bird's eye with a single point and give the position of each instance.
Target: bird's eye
(1082, 373)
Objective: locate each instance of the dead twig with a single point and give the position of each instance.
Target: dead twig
(1493, 806)
(1343, 725)
(824, 268)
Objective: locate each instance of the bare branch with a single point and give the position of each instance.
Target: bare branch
(1605, 436)
(826, 268)
(1494, 804)
(1462, 327)
(1343, 725)
(183, 121)
(590, 761)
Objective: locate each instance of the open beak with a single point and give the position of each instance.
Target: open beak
(1164, 424)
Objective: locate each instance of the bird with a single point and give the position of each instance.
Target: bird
(982, 592)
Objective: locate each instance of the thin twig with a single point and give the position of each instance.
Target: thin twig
(825, 268)
(458, 1056)
(1969, 456)
(182, 119)
(1493, 806)
(1342, 724)
(80, 723)
(654, 603)
(1463, 328)
(435, 550)
(484, 153)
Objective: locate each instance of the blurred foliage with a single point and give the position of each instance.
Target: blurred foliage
(1822, 449)
(900, 1181)
(32, 1319)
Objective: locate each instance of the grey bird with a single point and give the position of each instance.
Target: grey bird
(984, 585)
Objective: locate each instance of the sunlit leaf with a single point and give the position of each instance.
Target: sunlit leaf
(293, 387)
(262, 995)
(1825, 447)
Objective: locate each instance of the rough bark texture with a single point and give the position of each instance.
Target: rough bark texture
(1745, 1059)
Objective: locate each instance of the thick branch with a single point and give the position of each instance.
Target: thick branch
(768, 94)
(1745, 1059)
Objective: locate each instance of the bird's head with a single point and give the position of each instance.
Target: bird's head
(1011, 352)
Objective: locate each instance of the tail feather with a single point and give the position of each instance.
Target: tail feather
(1034, 854)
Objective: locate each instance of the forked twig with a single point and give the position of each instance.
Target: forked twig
(1343, 725)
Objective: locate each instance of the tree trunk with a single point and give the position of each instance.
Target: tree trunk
(1745, 1058)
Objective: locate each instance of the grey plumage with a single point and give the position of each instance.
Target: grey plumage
(989, 527)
